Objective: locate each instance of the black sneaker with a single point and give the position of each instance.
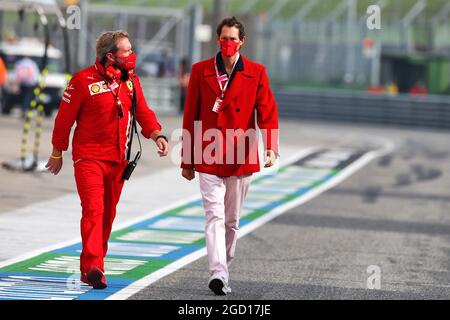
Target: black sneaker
(218, 285)
(96, 278)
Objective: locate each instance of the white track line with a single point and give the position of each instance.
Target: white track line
(128, 223)
(138, 285)
(344, 174)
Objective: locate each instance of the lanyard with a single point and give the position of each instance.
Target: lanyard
(222, 77)
(112, 87)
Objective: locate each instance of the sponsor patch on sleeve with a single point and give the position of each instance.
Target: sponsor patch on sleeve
(66, 99)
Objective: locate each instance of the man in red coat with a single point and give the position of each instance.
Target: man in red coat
(220, 140)
(99, 99)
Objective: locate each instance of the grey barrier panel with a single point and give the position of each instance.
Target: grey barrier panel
(403, 110)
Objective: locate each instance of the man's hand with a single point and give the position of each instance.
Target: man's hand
(163, 147)
(55, 162)
(270, 158)
(188, 174)
(161, 143)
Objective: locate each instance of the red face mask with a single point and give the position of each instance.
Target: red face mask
(127, 63)
(228, 47)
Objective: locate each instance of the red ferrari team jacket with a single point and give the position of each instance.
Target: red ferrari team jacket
(248, 97)
(100, 133)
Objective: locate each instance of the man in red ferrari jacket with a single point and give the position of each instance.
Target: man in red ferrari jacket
(99, 99)
(220, 142)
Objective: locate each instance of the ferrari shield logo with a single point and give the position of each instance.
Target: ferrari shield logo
(130, 85)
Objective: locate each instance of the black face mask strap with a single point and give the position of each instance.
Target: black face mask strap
(134, 127)
(132, 164)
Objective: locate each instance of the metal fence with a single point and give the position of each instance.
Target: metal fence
(162, 94)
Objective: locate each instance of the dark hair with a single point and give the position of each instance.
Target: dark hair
(231, 22)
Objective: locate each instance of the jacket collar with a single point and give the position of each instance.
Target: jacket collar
(247, 73)
(221, 65)
(99, 67)
(247, 68)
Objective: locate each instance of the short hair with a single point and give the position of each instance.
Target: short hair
(231, 22)
(107, 42)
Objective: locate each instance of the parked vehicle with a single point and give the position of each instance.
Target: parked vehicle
(55, 80)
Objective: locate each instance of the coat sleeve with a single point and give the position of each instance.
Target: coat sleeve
(267, 113)
(70, 105)
(191, 114)
(144, 115)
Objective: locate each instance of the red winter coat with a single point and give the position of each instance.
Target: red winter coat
(248, 94)
(100, 133)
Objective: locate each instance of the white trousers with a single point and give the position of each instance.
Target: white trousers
(223, 199)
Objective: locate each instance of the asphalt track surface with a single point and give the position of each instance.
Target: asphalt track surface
(392, 213)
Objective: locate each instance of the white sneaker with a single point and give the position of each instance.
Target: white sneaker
(219, 285)
(227, 289)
